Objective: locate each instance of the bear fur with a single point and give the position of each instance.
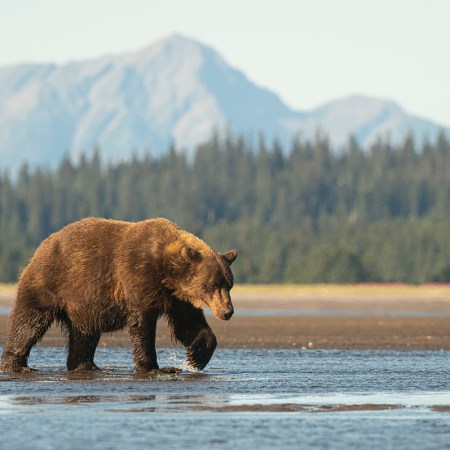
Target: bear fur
(100, 275)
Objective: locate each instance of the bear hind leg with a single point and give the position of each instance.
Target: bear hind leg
(28, 325)
(81, 350)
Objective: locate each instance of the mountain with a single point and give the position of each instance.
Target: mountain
(366, 119)
(175, 91)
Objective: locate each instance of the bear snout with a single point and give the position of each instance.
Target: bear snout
(223, 313)
(227, 315)
(220, 304)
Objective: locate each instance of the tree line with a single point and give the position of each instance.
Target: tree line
(303, 214)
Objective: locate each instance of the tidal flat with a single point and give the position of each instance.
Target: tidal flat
(366, 316)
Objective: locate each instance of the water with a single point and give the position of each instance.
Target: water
(245, 399)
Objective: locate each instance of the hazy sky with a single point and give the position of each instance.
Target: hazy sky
(307, 51)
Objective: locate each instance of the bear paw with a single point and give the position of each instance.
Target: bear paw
(165, 370)
(89, 366)
(16, 369)
(14, 364)
(201, 350)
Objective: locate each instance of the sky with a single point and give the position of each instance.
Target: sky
(307, 51)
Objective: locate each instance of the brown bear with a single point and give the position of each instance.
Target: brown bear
(100, 275)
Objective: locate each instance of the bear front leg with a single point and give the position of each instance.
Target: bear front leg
(189, 326)
(142, 331)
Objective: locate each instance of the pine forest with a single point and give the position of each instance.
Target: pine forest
(303, 214)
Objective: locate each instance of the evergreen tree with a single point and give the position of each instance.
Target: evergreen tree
(303, 214)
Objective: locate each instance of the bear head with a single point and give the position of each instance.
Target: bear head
(201, 276)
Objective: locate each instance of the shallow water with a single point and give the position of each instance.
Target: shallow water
(244, 399)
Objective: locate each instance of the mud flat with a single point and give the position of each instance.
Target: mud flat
(364, 316)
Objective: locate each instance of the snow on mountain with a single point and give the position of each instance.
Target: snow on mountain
(176, 90)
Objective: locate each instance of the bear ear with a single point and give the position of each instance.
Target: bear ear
(230, 256)
(191, 254)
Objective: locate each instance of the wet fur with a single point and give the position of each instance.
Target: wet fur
(99, 275)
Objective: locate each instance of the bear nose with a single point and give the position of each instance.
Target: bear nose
(228, 314)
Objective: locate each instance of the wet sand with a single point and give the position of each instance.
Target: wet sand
(314, 317)
(289, 407)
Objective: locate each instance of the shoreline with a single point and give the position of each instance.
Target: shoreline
(321, 318)
(339, 333)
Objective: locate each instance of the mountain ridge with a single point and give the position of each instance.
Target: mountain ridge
(176, 90)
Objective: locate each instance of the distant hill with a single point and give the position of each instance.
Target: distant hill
(174, 91)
